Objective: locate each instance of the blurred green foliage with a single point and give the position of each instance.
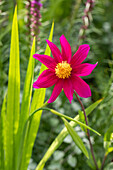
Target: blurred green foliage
(99, 35)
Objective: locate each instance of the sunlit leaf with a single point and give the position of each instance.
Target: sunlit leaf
(13, 99)
(109, 134)
(3, 134)
(108, 140)
(37, 101)
(25, 106)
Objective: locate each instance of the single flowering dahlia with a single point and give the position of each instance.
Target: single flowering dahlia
(64, 70)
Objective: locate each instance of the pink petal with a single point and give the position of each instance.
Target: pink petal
(55, 51)
(35, 85)
(56, 91)
(81, 87)
(84, 69)
(80, 55)
(66, 49)
(48, 61)
(45, 80)
(68, 90)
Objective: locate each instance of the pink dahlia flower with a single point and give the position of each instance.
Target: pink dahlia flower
(64, 71)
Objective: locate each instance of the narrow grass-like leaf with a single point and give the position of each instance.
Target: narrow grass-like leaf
(13, 99)
(76, 138)
(108, 138)
(20, 5)
(59, 139)
(2, 135)
(25, 107)
(37, 101)
(92, 107)
(62, 116)
(78, 122)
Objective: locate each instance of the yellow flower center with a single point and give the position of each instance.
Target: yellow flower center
(63, 70)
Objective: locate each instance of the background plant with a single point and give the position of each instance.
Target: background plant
(99, 36)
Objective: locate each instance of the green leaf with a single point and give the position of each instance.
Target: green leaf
(69, 118)
(63, 116)
(110, 149)
(109, 134)
(27, 93)
(37, 102)
(13, 99)
(47, 51)
(3, 134)
(59, 139)
(92, 107)
(108, 139)
(81, 118)
(76, 138)
(90, 162)
(20, 5)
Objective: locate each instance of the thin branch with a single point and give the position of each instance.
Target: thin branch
(88, 133)
(103, 162)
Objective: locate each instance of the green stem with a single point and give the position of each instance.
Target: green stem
(41, 108)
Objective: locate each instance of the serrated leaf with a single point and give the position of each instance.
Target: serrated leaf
(13, 98)
(59, 139)
(76, 138)
(37, 102)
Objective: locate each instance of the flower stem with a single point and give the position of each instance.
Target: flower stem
(88, 133)
(103, 162)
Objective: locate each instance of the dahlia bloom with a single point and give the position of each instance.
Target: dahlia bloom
(64, 71)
